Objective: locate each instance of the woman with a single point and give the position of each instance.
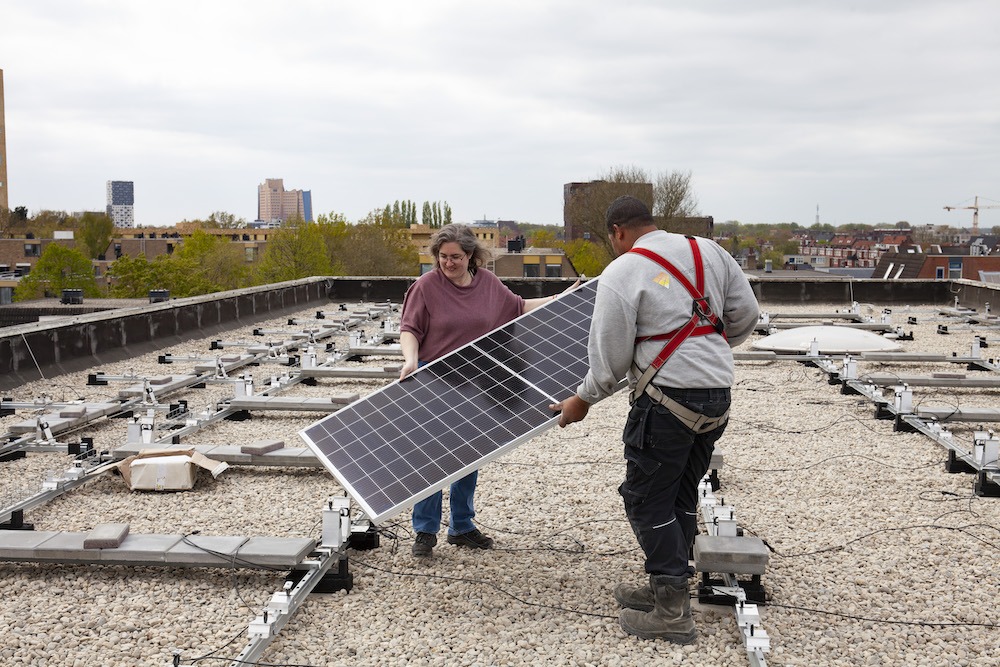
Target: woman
(443, 310)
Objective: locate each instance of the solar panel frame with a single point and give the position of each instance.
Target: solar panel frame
(402, 443)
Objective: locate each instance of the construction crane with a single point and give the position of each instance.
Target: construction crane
(975, 212)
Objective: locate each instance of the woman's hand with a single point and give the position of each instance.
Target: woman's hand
(408, 367)
(531, 304)
(410, 346)
(572, 287)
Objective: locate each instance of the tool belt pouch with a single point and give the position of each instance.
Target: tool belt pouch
(636, 424)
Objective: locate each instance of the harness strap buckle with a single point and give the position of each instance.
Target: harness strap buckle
(700, 307)
(695, 421)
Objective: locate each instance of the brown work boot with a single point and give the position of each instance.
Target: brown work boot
(670, 618)
(635, 597)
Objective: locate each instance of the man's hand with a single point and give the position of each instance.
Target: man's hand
(573, 409)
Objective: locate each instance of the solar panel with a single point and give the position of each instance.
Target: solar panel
(402, 443)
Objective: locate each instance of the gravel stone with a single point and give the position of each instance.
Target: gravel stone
(879, 557)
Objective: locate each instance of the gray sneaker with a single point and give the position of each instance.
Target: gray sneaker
(423, 546)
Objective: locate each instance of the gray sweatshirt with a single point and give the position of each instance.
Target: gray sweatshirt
(637, 297)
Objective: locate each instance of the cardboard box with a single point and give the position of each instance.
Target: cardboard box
(167, 469)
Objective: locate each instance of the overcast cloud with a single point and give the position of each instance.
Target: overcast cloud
(875, 111)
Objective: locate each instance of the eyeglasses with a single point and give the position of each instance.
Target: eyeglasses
(454, 258)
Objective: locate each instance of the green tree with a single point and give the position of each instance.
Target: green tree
(735, 245)
(181, 275)
(727, 228)
(45, 223)
(224, 220)
(57, 269)
(297, 250)
(589, 259)
(13, 222)
(387, 252)
(434, 214)
(216, 263)
(587, 206)
(374, 248)
(132, 277)
(673, 196)
(399, 214)
(202, 264)
(543, 238)
(789, 247)
(336, 232)
(95, 231)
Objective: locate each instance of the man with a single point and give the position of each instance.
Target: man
(667, 311)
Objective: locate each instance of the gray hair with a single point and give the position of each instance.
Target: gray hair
(466, 240)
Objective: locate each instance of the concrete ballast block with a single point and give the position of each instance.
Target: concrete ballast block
(730, 555)
(261, 447)
(106, 536)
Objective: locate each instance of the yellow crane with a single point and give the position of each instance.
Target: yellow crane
(975, 212)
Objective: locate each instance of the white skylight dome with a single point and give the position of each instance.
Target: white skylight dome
(830, 339)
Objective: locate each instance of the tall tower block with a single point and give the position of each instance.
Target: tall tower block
(4, 203)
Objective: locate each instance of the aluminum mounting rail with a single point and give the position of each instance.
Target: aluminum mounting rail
(265, 628)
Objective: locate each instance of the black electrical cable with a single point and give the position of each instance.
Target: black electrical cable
(581, 546)
(827, 460)
(748, 426)
(233, 558)
(212, 653)
(482, 582)
(923, 495)
(258, 663)
(960, 529)
(559, 465)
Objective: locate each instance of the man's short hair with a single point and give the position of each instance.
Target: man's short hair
(625, 211)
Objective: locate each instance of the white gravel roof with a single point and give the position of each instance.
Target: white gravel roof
(879, 557)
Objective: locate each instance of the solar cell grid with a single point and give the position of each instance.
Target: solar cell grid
(411, 438)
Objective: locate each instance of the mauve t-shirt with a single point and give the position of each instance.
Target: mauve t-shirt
(443, 316)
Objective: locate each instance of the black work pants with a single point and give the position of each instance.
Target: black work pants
(665, 461)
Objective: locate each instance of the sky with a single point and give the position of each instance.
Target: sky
(874, 112)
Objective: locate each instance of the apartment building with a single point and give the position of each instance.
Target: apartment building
(121, 203)
(276, 204)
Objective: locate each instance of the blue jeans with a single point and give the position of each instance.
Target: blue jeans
(427, 513)
(665, 461)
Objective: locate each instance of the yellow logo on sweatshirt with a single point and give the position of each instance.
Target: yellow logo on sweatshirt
(663, 279)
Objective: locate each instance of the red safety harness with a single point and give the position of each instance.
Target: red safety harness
(703, 322)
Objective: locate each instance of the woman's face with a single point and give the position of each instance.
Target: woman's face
(453, 262)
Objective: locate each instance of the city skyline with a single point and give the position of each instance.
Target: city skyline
(876, 112)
